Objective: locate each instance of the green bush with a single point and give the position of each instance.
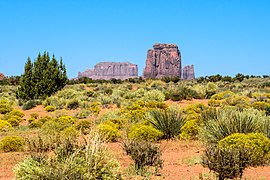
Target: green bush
(257, 143)
(231, 120)
(34, 115)
(69, 133)
(5, 106)
(72, 104)
(143, 154)
(50, 108)
(11, 143)
(260, 105)
(71, 160)
(211, 89)
(154, 95)
(169, 121)
(222, 95)
(236, 100)
(66, 120)
(228, 163)
(4, 125)
(190, 130)
(94, 107)
(16, 112)
(83, 125)
(31, 104)
(108, 132)
(144, 133)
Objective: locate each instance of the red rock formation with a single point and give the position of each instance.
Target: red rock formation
(109, 70)
(2, 76)
(163, 60)
(188, 72)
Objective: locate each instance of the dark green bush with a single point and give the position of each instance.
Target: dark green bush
(169, 122)
(143, 154)
(144, 133)
(11, 143)
(72, 104)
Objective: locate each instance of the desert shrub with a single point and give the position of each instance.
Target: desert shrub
(215, 103)
(211, 89)
(83, 125)
(34, 115)
(11, 143)
(5, 106)
(90, 160)
(144, 133)
(83, 113)
(4, 125)
(16, 112)
(116, 122)
(105, 100)
(143, 154)
(222, 95)
(155, 104)
(154, 95)
(94, 107)
(65, 120)
(30, 104)
(169, 121)
(53, 127)
(228, 163)
(230, 120)
(260, 105)
(90, 93)
(50, 108)
(236, 100)
(13, 121)
(190, 130)
(72, 104)
(69, 133)
(257, 143)
(34, 123)
(55, 101)
(182, 92)
(109, 132)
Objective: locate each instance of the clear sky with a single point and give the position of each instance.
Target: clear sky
(217, 36)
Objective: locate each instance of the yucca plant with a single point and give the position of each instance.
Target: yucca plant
(230, 120)
(168, 121)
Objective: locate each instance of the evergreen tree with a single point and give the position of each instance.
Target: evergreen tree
(42, 78)
(26, 90)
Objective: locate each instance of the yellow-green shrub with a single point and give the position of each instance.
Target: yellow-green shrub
(190, 130)
(83, 125)
(260, 105)
(4, 125)
(16, 112)
(94, 107)
(215, 103)
(66, 120)
(108, 132)
(222, 95)
(13, 121)
(50, 108)
(257, 143)
(11, 143)
(5, 106)
(144, 133)
(236, 100)
(69, 133)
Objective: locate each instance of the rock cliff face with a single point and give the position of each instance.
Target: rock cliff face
(2, 76)
(109, 70)
(188, 72)
(163, 60)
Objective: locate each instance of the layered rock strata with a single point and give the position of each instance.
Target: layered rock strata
(188, 72)
(110, 70)
(163, 60)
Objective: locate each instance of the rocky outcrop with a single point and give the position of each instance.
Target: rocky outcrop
(2, 76)
(188, 72)
(163, 60)
(109, 70)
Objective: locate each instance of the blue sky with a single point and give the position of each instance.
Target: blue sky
(217, 36)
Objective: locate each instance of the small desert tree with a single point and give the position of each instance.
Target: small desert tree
(42, 78)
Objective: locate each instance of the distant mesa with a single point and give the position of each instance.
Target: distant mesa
(164, 60)
(2, 76)
(110, 70)
(188, 72)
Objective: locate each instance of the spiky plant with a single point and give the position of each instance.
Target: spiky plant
(169, 121)
(231, 120)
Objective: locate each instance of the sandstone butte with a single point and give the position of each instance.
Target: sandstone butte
(188, 72)
(109, 70)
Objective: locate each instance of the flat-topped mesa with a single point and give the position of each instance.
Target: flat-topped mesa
(163, 60)
(110, 70)
(2, 76)
(188, 72)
